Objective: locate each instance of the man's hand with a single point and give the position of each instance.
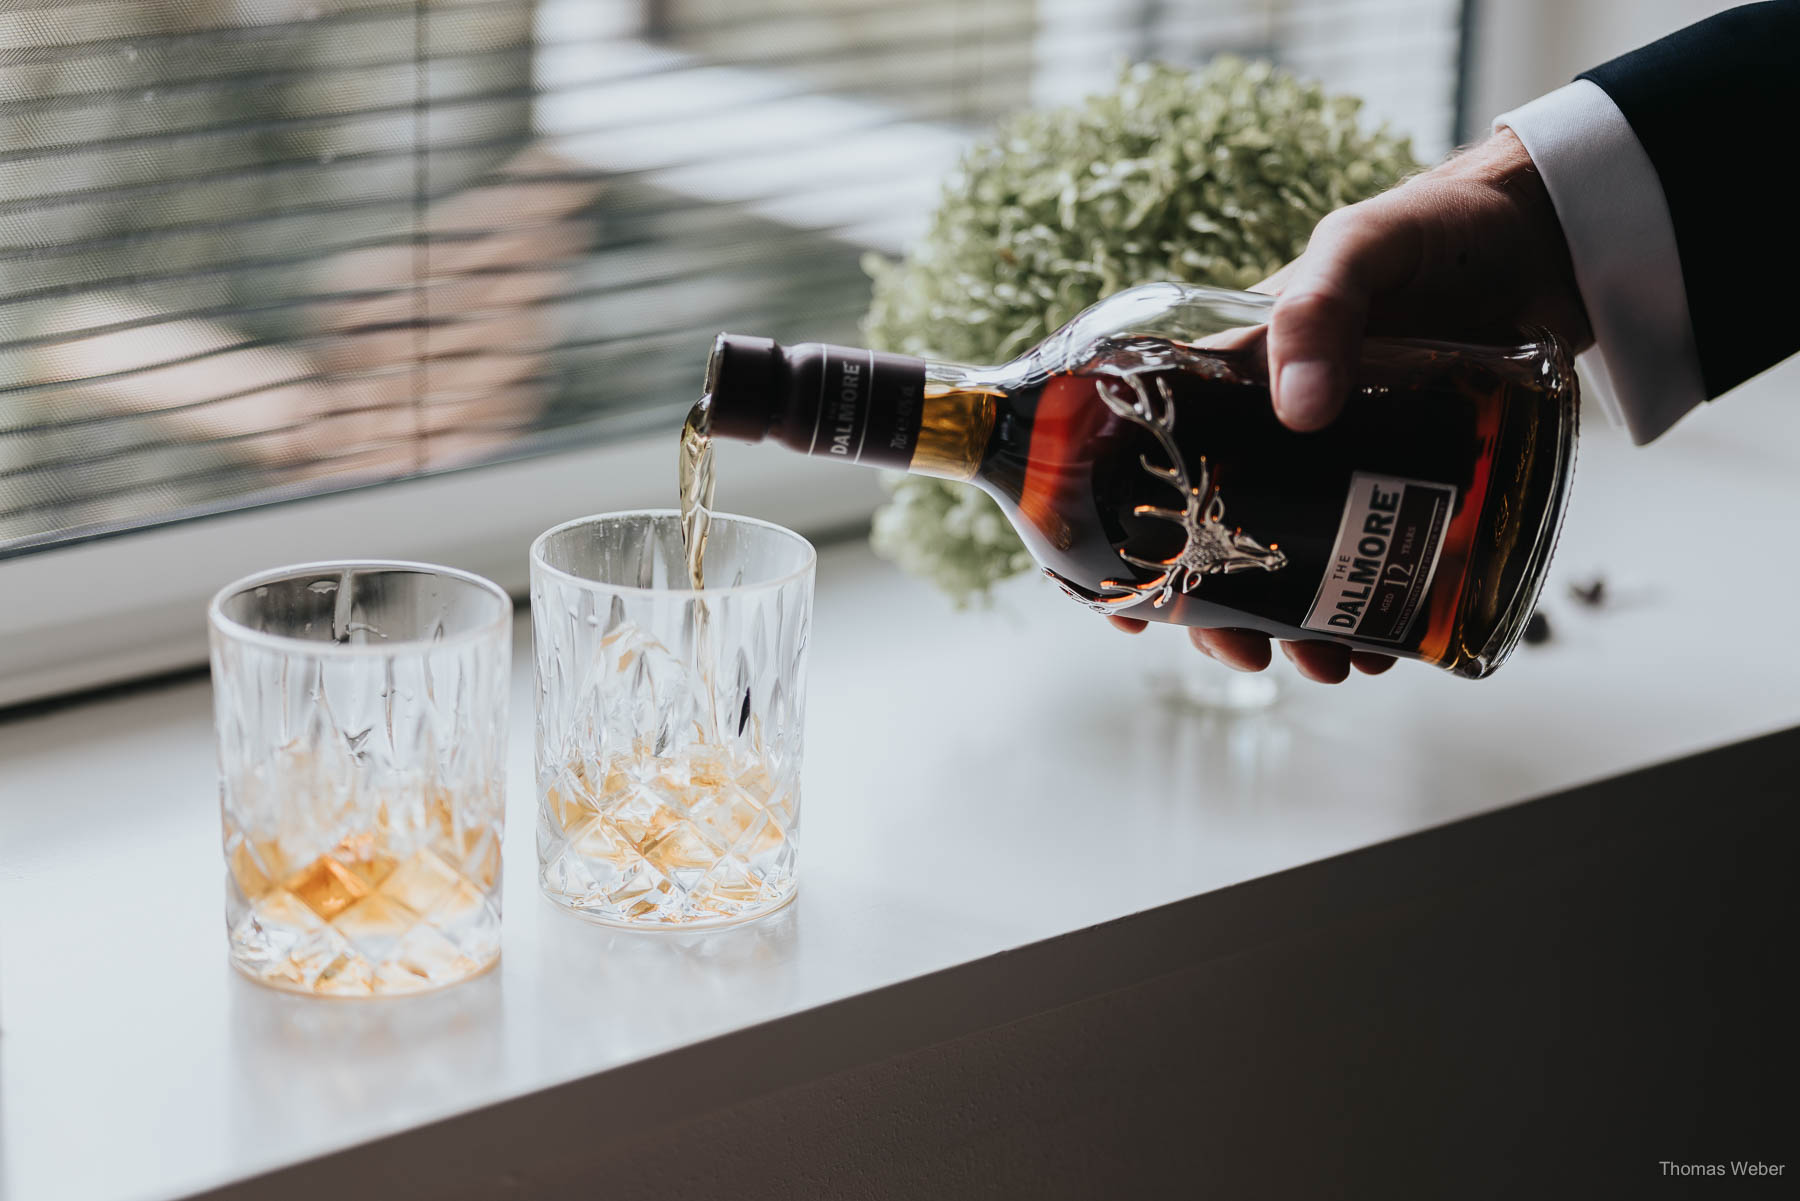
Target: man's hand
(1468, 250)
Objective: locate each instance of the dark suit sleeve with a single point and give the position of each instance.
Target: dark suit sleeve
(1716, 107)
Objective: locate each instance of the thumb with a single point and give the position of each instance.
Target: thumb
(1316, 328)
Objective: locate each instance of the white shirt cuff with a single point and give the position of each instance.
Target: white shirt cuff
(1644, 365)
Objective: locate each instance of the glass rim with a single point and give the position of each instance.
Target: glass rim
(230, 627)
(772, 584)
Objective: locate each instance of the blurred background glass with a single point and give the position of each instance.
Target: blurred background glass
(258, 249)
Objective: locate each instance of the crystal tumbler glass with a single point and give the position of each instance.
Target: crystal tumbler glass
(361, 714)
(669, 720)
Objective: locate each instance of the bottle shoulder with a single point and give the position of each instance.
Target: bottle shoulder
(1188, 313)
(1222, 320)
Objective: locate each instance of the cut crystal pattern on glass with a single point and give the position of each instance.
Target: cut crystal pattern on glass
(669, 722)
(361, 754)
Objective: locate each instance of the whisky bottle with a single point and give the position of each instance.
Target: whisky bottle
(1138, 454)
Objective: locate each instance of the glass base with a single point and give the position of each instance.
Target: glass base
(282, 983)
(662, 922)
(356, 923)
(699, 836)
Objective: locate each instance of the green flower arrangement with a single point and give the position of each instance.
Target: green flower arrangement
(1215, 176)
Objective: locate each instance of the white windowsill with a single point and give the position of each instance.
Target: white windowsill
(974, 783)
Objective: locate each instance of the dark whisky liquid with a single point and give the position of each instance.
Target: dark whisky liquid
(1082, 476)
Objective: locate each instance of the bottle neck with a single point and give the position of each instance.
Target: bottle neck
(852, 405)
(955, 422)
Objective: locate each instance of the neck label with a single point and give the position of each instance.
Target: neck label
(869, 405)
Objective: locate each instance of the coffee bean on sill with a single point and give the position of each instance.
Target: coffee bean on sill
(1591, 593)
(1537, 630)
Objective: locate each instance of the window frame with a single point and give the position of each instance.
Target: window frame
(132, 605)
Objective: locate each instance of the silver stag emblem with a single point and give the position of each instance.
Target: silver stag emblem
(1212, 547)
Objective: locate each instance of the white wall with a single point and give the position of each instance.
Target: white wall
(1524, 48)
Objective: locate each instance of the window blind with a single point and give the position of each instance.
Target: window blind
(256, 249)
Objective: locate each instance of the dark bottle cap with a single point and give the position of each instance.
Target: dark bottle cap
(746, 378)
(860, 406)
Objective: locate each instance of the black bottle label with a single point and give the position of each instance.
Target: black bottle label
(869, 407)
(1383, 558)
